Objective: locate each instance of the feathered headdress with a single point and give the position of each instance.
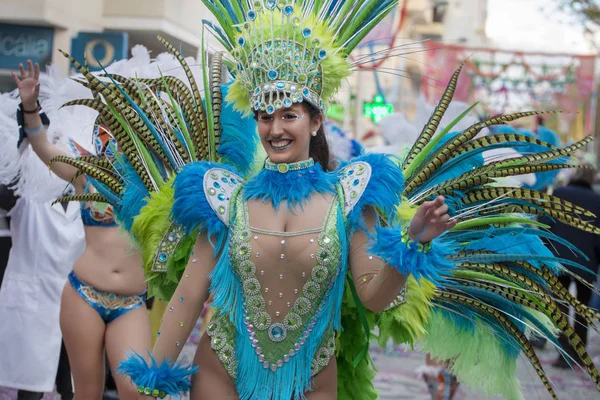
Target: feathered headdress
(290, 51)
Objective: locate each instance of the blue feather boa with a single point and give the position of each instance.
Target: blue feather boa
(406, 257)
(172, 378)
(294, 187)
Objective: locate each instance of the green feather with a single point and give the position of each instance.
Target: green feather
(493, 374)
(505, 219)
(149, 228)
(406, 322)
(419, 158)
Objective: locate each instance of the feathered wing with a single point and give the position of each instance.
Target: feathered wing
(502, 282)
(159, 125)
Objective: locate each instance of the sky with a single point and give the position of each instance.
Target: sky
(534, 25)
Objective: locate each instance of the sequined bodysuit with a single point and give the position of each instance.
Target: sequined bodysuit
(280, 279)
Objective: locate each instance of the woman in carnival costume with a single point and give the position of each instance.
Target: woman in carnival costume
(103, 302)
(303, 261)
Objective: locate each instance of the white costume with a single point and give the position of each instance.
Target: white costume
(46, 241)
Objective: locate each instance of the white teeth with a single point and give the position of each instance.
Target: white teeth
(280, 144)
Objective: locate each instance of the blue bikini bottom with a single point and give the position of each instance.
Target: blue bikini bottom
(109, 306)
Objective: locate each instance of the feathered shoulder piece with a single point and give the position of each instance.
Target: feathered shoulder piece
(205, 207)
(370, 180)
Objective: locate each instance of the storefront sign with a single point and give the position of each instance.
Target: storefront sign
(18, 43)
(100, 49)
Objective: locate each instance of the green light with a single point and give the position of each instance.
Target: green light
(377, 110)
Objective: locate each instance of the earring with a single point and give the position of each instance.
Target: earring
(313, 134)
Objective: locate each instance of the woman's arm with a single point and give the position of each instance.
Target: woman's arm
(163, 375)
(29, 90)
(186, 304)
(377, 284)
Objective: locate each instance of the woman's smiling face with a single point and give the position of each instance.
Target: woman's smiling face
(286, 133)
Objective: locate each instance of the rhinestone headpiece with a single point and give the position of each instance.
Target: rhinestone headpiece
(291, 51)
(283, 57)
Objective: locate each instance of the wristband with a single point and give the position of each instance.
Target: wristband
(34, 111)
(21, 121)
(34, 130)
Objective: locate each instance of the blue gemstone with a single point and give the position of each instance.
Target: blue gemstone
(216, 184)
(280, 85)
(272, 74)
(181, 298)
(224, 180)
(257, 90)
(306, 32)
(270, 109)
(288, 10)
(221, 197)
(233, 180)
(271, 4)
(277, 332)
(162, 257)
(356, 182)
(350, 172)
(251, 15)
(287, 102)
(305, 92)
(242, 41)
(322, 54)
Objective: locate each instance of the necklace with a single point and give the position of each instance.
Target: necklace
(285, 167)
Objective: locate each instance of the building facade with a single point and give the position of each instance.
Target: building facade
(104, 30)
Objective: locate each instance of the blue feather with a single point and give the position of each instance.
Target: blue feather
(238, 139)
(462, 236)
(191, 208)
(295, 187)
(384, 190)
(104, 190)
(452, 171)
(133, 197)
(219, 32)
(406, 258)
(173, 378)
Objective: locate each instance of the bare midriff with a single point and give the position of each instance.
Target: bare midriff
(110, 262)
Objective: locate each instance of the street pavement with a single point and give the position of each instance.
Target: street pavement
(396, 378)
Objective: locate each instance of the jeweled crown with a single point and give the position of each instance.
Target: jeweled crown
(282, 57)
(290, 51)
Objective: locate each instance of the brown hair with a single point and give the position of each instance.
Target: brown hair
(319, 148)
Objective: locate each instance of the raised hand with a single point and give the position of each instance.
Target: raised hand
(28, 84)
(430, 221)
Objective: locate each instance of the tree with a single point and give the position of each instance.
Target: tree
(587, 12)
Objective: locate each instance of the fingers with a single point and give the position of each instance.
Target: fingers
(441, 211)
(36, 71)
(16, 78)
(29, 69)
(428, 206)
(22, 70)
(451, 223)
